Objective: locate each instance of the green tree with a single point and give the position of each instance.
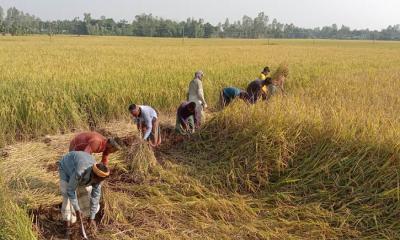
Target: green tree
(1, 14)
(209, 30)
(260, 25)
(247, 26)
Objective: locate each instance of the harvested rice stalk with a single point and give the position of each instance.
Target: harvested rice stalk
(140, 160)
(282, 70)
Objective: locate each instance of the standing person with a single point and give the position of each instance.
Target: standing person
(80, 185)
(187, 118)
(94, 142)
(255, 89)
(228, 94)
(196, 94)
(147, 122)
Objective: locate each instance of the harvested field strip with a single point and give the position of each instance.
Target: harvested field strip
(169, 201)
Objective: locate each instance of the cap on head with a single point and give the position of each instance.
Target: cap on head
(268, 80)
(101, 170)
(199, 74)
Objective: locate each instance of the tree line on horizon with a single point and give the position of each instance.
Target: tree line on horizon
(16, 22)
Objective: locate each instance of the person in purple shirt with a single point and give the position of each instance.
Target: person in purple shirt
(187, 118)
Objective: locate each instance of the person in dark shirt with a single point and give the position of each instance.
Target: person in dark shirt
(228, 94)
(187, 118)
(255, 89)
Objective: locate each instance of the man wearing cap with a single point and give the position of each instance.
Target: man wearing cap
(94, 142)
(196, 94)
(147, 122)
(80, 185)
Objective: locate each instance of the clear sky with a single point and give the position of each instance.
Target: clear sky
(372, 14)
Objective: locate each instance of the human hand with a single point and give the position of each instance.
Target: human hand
(78, 216)
(92, 225)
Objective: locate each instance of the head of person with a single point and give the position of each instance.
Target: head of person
(112, 145)
(134, 110)
(266, 71)
(191, 107)
(199, 75)
(267, 81)
(244, 95)
(100, 172)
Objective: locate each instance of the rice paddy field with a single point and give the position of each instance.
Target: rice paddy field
(322, 162)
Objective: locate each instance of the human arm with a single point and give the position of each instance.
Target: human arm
(94, 200)
(104, 158)
(200, 93)
(264, 92)
(149, 126)
(180, 117)
(71, 192)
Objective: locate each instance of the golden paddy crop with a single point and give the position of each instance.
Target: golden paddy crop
(319, 163)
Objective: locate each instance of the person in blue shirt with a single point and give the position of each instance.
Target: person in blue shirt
(147, 122)
(80, 185)
(228, 94)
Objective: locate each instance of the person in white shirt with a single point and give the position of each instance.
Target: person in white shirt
(147, 122)
(196, 94)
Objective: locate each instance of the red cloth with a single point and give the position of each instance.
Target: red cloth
(90, 142)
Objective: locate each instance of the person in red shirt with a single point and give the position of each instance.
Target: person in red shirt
(94, 142)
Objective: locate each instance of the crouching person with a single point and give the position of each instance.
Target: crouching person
(187, 118)
(80, 184)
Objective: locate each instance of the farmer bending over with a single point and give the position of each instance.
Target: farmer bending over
(147, 122)
(196, 94)
(187, 118)
(228, 94)
(80, 184)
(255, 89)
(93, 142)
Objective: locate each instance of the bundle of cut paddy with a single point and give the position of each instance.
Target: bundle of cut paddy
(140, 160)
(282, 70)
